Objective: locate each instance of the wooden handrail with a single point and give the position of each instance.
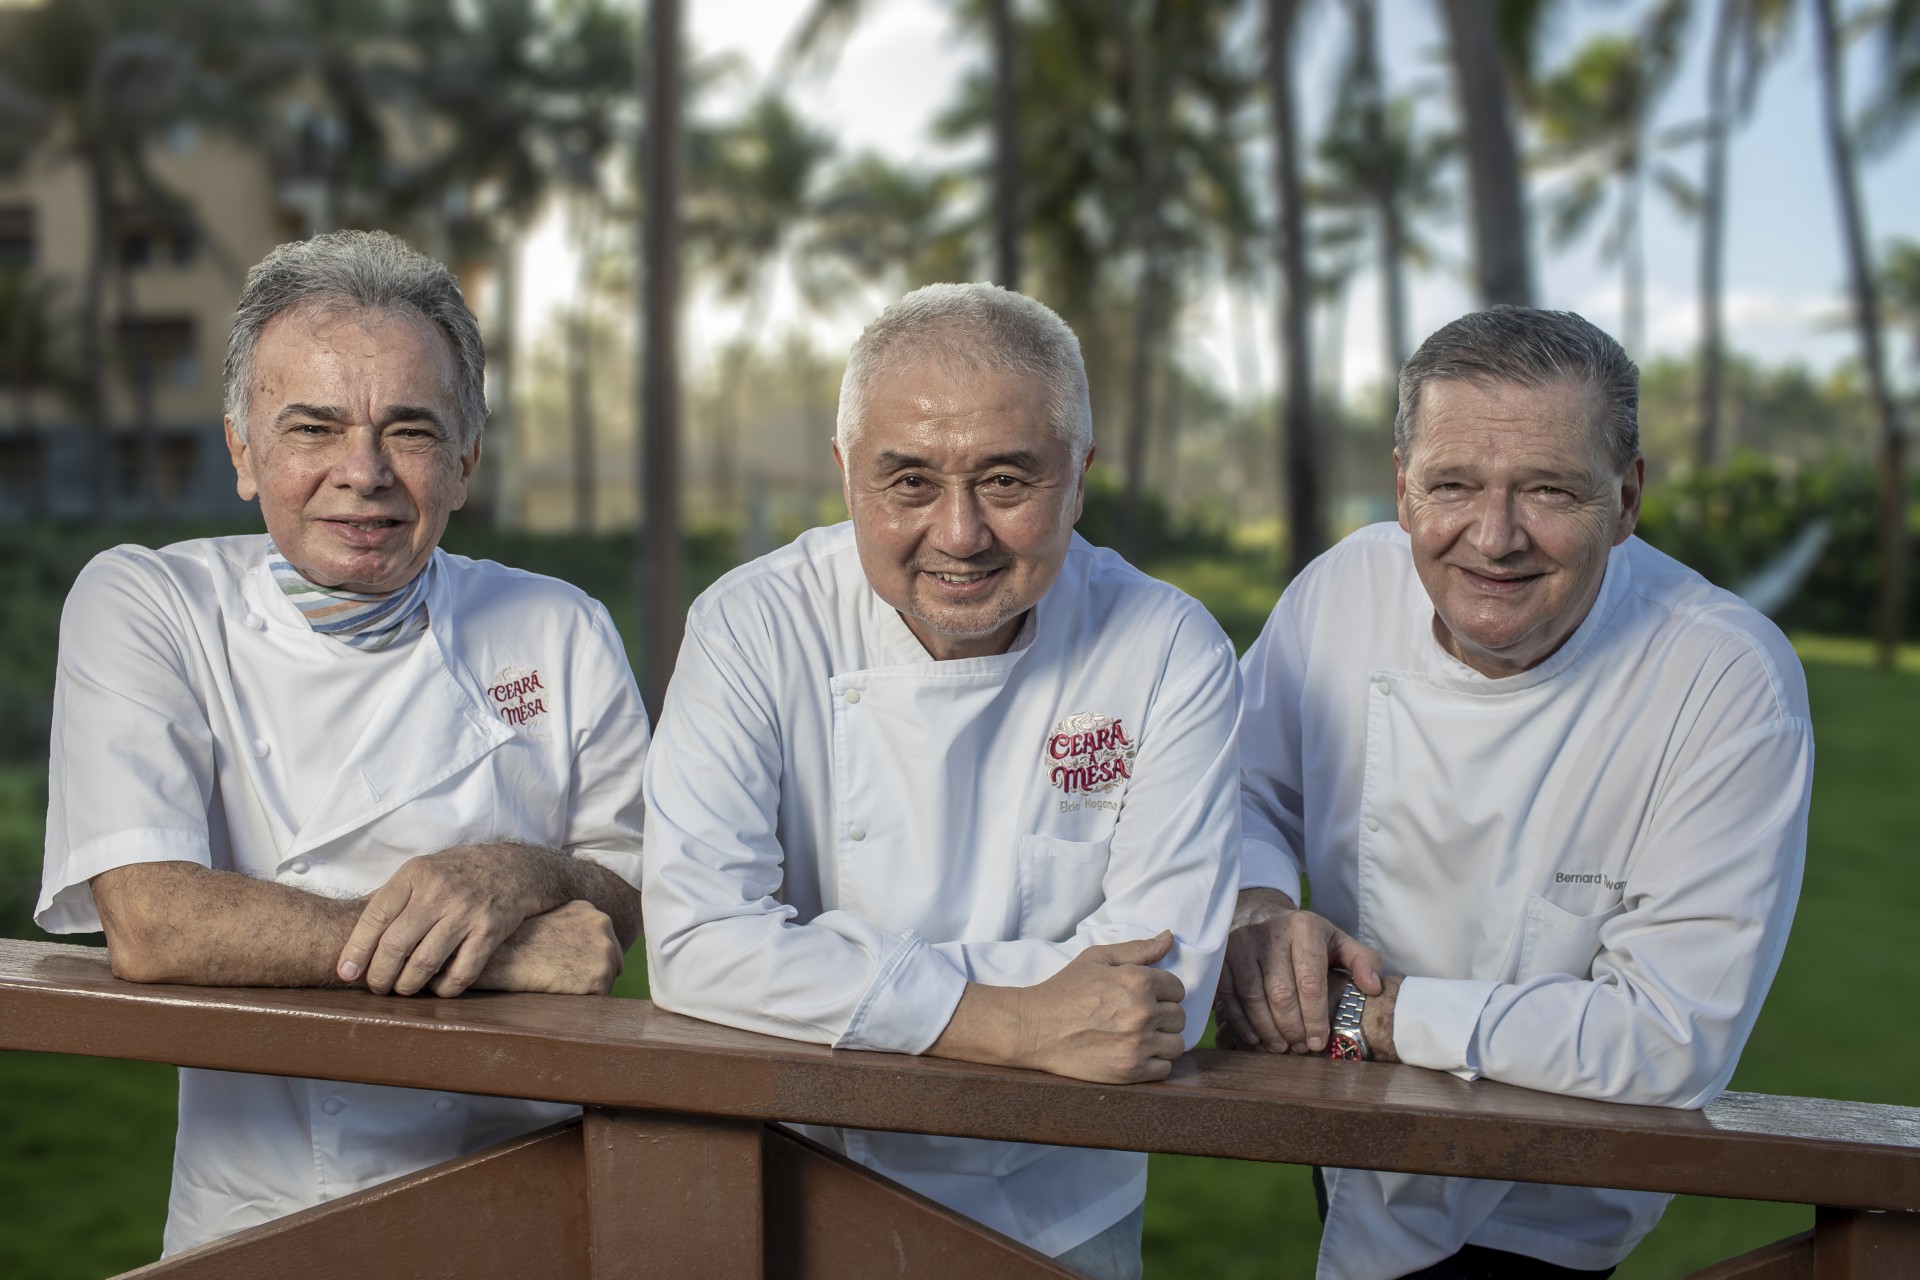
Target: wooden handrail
(631, 1055)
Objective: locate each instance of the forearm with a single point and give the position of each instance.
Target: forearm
(184, 923)
(587, 881)
(987, 1027)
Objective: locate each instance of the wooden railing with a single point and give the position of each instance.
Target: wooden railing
(676, 1171)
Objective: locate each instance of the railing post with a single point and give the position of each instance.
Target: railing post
(1865, 1244)
(672, 1195)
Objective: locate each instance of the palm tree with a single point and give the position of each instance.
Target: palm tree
(1482, 77)
(1746, 34)
(658, 412)
(1306, 519)
(98, 83)
(1866, 313)
(1375, 170)
(828, 22)
(1593, 117)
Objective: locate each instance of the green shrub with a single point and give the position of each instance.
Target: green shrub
(1729, 522)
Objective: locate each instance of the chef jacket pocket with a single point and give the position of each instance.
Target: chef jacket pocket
(1062, 882)
(1558, 941)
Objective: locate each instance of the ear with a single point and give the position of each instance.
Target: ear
(1400, 491)
(243, 481)
(1080, 488)
(468, 461)
(1631, 486)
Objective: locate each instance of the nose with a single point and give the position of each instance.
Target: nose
(362, 465)
(1497, 531)
(960, 526)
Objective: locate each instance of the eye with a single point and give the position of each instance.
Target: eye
(1003, 483)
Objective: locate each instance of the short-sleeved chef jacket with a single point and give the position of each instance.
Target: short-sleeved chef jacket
(197, 718)
(1589, 868)
(843, 832)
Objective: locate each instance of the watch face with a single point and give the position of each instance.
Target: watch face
(1345, 1048)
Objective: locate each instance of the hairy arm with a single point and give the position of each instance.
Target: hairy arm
(180, 922)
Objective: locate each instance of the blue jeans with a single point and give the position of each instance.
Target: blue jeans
(1114, 1254)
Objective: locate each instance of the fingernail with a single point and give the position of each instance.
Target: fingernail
(349, 970)
(1314, 1044)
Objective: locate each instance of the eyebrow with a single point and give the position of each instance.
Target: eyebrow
(334, 413)
(889, 460)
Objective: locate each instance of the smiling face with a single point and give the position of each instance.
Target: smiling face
(963, 501)
(353, 444)
(1512, 507)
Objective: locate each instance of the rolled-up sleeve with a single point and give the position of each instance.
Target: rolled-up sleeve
(1272, 811)
(131, 762)
(720, 943)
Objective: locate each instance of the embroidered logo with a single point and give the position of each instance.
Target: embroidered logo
(1088, 753)
(520, 697)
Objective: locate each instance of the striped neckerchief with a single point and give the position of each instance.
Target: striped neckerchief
(370, 622)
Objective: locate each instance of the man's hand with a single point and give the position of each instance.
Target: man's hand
(442, 916)
(571, 951)
(1273, 986)
(1108, 1016)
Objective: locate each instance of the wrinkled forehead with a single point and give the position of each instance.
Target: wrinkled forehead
(955, 413)
(1473, 416)
(339, 332)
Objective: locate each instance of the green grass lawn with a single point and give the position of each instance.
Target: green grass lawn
(85, 1143)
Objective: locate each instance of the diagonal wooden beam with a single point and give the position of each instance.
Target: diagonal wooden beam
(831, 1219)
(511, 1211)
(1789, 1259)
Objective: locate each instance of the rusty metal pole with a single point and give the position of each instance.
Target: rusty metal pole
(662, 611)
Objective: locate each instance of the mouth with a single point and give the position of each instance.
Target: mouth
(963, 584)
(365, 533)
(1498, 583)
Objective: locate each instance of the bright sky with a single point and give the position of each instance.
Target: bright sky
(1785, 276)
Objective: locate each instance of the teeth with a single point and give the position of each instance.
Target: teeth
(370, 525)
(958, 577)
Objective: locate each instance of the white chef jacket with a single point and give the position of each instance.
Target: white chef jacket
(1589, 868)
(842, 832)
(179, 734)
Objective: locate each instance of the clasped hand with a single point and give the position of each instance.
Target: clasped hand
(1274, 985)
(479, 915)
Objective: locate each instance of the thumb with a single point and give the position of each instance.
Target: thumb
(1358, 959)
(1138, 951)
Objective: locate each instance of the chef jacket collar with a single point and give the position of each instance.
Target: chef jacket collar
(1447, 671)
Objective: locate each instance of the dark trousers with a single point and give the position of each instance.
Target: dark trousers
(1474, 1262)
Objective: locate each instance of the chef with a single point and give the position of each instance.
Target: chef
(1549, 788)
(947, 779)
(334, 754)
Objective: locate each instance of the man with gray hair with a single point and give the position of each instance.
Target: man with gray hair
(948, 780)
(1549, 789)
(333, 754)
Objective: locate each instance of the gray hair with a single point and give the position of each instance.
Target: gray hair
(365, 270)
(969, 329)
(1530, 348)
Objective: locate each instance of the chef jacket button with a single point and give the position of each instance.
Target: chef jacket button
(1383, 687)
(261, 746)
(256, 622)
(299, 866)
(852, 696)
(858, 833)
(1373, 824)
(332, 1106)
(443, 1103)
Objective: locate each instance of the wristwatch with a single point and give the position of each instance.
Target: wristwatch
(1348, 1043)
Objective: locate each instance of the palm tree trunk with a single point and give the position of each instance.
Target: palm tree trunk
(580, 414)
(93, 347)
(1713, 232)
(503, 427)
(1306, 524)
(1493, 159)
(1006, 145)
(663, 611)
(1147, 105)
(1386, 185)
(1633, 269)
(1866, 313)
